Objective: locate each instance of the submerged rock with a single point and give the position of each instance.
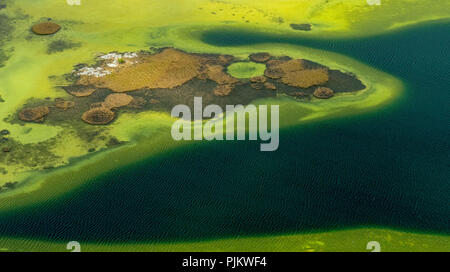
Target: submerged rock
(61, 45)
(64, 104)
(257, 85)
(96, 105)
(45, 28)
(323, 93)
(113, 141)
(137, 102)
(300, 95)
(36, 114)
(223, 90)
(258, 79)
(302, 27)
(270, 86)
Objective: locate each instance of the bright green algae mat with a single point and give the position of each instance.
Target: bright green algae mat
(382, 88)
(246, 69)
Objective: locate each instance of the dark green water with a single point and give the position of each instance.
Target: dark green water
(388, 168)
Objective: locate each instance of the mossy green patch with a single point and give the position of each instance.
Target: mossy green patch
(246, 69)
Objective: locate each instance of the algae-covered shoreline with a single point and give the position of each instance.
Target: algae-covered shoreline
(352, 240)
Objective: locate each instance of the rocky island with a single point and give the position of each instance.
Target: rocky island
(159, 80)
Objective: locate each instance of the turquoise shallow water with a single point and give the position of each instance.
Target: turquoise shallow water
(386, 168)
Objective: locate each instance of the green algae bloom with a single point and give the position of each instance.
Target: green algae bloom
(246, 69)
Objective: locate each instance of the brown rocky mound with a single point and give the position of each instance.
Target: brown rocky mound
(45, 28)
(168, 69)
(323, 93)
(98, 116)
(36, 114)
(260, 57)
(117, 100)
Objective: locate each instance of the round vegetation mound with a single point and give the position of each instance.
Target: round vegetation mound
(36, 114)
(98, 116)
(260, 57)
(46, 28)
(117, 100)
(246, 69)
(323, 93)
